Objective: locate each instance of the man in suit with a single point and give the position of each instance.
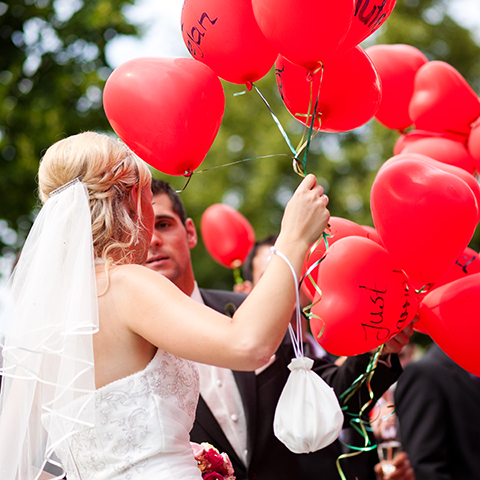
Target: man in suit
(236, 409)
(438, 408)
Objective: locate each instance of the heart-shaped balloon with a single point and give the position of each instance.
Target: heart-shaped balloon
(306, 32)
(396, 66)
(167, 110)
(365, 300)
(227, 235)
(414, 135)
(442, 100)
(474, 144)
(444, 150)
(469, 179)
(372, 234)
(348, 91)
(468, 263)
(450, 315)
(339, 228)
(424, 215)
(226, 37)
(369, 16)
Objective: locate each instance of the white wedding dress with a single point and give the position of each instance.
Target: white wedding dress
(142, 427)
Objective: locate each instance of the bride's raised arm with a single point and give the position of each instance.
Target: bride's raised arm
(155, 309)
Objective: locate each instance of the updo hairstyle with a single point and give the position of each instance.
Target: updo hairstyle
(109, 170)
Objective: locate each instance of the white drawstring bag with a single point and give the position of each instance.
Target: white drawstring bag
(308, 416)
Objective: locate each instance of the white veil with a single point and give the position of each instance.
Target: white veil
(47, 325)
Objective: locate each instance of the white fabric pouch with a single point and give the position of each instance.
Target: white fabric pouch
(308, 416)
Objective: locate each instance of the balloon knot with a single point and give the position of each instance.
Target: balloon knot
(310, 76)
(249, 85)
(188, 173)
(236, 263)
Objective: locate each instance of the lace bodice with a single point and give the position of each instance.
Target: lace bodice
(142, 427)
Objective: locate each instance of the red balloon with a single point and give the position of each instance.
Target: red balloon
(372, 234)
(396, 66)
(450, 315)
(306, 32)
(442, 100)
(444, 150)
(226, 37)
(474, 144)
(227, 235)
(365, 300)
(469, 179)
(369, 16)
(468, 263)
(414, 135)
(167, 110)
(339, 228)
(350, 91)
(425, 217)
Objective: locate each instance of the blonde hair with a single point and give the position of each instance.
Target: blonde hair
(109, 170)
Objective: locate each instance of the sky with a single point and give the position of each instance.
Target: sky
(162, 38)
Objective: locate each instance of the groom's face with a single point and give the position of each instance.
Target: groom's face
(169, 252)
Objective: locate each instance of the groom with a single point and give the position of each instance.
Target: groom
(236, 409)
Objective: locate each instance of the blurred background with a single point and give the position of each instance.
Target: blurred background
(55, 57)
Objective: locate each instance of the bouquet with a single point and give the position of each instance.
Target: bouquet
(213, 464)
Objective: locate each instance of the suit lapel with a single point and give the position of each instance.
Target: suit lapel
(208, 422)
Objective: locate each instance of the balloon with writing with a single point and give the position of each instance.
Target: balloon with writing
(442, 100)
(396, 66)
(167, 110)
(366, 298)
(306, 32)
(348, 92)
(450, 315)
(226, 37)
(368, 16)
(227, 235)
(412, 204)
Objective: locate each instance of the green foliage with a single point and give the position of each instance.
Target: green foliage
(52, 72)
(62, 97)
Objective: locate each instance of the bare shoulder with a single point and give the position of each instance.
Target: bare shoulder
(129, 275)
(132, 282)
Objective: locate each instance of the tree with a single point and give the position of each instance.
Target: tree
(62, 96)
(52, 72)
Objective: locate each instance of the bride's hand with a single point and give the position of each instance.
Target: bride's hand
(306, 215)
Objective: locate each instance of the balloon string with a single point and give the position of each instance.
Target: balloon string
(311, 116)
(237, 277)
(325, 236)
(189, 176)
(425, 289)
(277, 121)
(361, 426)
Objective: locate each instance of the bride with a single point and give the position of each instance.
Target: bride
(97, 371)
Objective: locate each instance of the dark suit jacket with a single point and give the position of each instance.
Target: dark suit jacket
(438, 407)
(268, 458)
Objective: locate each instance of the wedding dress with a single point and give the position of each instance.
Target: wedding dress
(142, 425)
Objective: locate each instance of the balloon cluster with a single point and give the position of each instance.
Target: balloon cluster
(425, 206)
(313, 44)
(169, 110)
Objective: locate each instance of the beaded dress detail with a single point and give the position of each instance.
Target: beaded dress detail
(142, 425)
